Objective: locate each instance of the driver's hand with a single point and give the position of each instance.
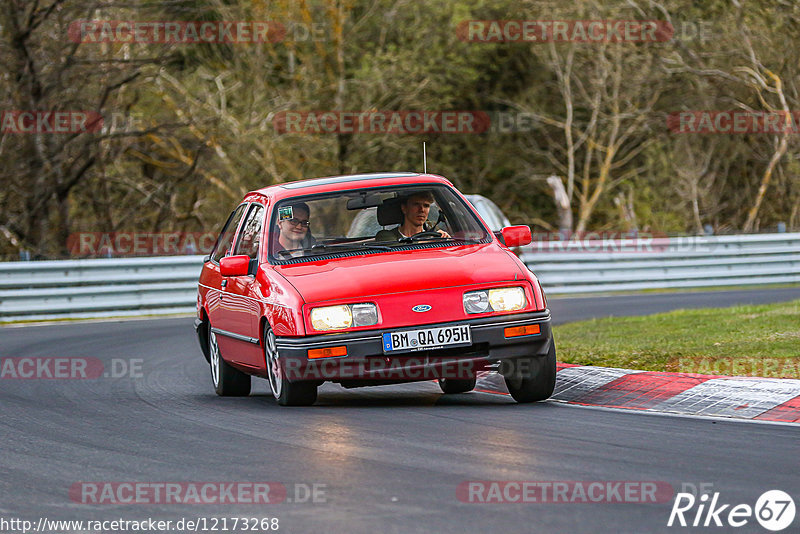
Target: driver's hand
(443, 233)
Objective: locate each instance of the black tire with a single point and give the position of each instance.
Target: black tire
(532, 379)
(456, 385)
(285, 391)
(228, 382)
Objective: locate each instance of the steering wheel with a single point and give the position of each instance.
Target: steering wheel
(426, 233)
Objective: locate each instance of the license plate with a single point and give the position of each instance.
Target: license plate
(426, 338)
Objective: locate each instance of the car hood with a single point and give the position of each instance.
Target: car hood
(401, 271)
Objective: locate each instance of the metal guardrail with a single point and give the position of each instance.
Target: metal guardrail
(680, 262)
(44, 290)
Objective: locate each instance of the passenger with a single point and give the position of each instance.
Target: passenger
(293, 232)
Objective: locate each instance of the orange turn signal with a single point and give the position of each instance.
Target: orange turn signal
(527, 330)
(328, 352)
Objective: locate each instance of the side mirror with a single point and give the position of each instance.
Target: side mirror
(234, 266)
(516, 236)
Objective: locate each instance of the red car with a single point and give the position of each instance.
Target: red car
(293, 292)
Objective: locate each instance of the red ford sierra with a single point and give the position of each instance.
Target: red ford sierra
(300, 289)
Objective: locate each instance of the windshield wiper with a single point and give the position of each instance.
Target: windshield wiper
(384, 245)
(319, 246)
(438, 238)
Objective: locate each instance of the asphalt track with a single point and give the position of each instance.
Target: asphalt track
(389, 459)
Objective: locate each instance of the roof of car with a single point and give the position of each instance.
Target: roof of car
(335, 183)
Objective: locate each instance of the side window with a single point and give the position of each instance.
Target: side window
(226, 236)
(250, 235)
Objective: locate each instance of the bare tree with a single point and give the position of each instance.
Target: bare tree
(48, 72)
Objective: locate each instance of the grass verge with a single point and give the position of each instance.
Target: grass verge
(759, 340)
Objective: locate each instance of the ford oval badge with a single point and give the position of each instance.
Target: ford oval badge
(421, 308)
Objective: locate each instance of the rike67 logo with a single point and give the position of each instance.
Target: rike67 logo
(774, 510)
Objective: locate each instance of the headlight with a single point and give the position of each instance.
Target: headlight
(507, 299)
(476, 301)
(331, 318)
(344, 316)
(502, 300)
(364, 314)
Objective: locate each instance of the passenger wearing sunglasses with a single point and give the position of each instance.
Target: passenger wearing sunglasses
(294, 232)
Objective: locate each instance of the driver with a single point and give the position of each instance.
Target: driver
(415, 210)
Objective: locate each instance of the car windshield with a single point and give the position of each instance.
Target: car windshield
(372, 220)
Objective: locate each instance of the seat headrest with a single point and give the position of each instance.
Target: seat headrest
(389, 212)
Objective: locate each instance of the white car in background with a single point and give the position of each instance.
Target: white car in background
(489, 211)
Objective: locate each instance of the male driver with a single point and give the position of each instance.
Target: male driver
(294, 231)
(415, 210)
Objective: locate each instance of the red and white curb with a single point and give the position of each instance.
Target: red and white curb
(765, 399)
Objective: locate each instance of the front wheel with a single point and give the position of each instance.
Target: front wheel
(532, 379)
(228, 382)
(285, 391)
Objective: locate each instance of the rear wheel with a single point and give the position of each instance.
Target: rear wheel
(228, 382)
(532, 379)
(455, 385)
(285, 391)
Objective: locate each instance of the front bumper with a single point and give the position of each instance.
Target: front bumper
(366, 363)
